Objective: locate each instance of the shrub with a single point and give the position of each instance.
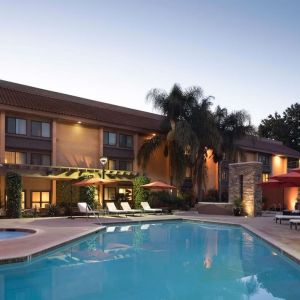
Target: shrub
(14, 194)
(211, 196)
(53, 210)
(87, 194)
(139, 193)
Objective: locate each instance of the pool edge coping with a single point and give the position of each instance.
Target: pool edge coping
(277, 245)
(28, 257)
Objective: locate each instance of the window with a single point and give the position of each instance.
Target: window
(12, 157)
(40, 159)
(16, 126)
(23, 200)
(125, 165)
(110, 193)
(110, 138)
(264, 159)
(126, 141)
(265, 177)
(125, 193)
(41, 129)
(40, 199)
(112, 164)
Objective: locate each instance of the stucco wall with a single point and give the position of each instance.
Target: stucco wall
(274, 197)
(158, 166)
(212, 172)
(77, 145)
(35, 184)
(279, 165)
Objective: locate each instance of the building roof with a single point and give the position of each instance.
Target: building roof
(264, 145)
(35, 99)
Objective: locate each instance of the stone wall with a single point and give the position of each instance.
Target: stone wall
(247, 185)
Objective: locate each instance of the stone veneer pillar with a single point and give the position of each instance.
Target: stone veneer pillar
(244, 179)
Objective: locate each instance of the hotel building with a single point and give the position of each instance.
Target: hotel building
(52, 139)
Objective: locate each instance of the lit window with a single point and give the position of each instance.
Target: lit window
(112, 164)
(265, 177)
(110, 138)
(110, 193)
(16, 126)
(23, 200)
(126, 193)
(12, 157)
(40, 129)
(40, 199)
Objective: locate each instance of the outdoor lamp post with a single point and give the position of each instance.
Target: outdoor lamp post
(103, 162)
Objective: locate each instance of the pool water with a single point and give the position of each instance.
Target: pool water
(10, 234)
(170, 260)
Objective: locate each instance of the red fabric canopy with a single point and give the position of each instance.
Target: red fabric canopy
(274, 183)
(158, 185)
(292, 178)
(296, 170)
(94, 181)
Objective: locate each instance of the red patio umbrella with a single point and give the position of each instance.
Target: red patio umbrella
(296, 170)
(94, 181)
(291, 177)
(274, 183)
(158, 185)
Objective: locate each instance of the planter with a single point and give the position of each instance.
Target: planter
(237, 211)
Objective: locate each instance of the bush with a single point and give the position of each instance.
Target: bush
(139, 193)
(87, 193)
(53, 210)
(211, 196)
(164, 198)
(14, 194)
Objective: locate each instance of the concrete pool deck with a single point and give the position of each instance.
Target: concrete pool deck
(54, 232)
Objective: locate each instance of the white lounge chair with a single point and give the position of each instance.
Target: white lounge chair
(113, 210)
(111, 229)
(285, 218)
(125, 228)
(126, 206)
(84, 208)
(146, 208)
(294, 222)
(145, 226)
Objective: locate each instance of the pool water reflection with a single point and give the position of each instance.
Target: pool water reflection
(172, 260)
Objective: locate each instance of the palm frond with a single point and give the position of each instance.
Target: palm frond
(148, 148)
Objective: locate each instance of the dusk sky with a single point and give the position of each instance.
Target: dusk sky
(244, 53)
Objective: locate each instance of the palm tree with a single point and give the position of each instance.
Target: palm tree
(189, 132)
(232, 127)
(201, 134)
(176, 107)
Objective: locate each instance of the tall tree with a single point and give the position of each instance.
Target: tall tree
(191, 131)
(285, 127)
(231, 127)
(175, 106)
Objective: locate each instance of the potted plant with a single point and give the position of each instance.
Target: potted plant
(237, 207)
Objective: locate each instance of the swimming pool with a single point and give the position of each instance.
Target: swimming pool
(170, 260)
(6, 234)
